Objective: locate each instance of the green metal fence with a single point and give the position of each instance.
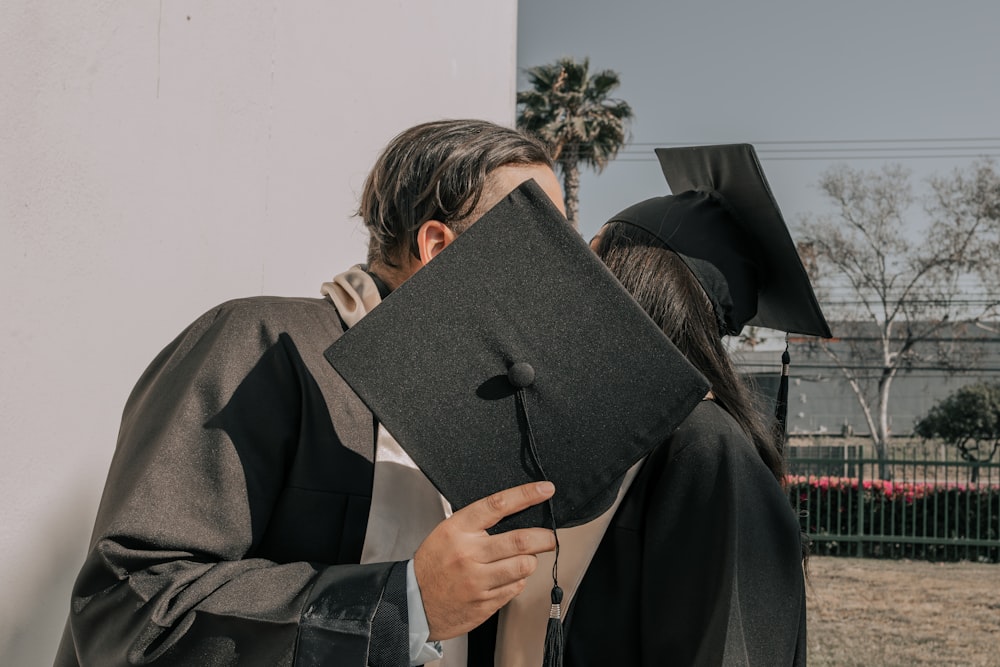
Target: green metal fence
(928, 509)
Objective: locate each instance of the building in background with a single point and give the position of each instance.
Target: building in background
(821, 402)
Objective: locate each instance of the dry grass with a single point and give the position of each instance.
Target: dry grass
(887, 613)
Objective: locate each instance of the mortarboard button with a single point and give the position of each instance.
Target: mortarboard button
(521, 375)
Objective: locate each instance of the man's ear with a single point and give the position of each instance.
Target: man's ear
(433, 237)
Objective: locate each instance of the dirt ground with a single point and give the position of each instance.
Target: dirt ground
(895, 613)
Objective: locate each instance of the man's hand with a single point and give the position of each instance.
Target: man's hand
(465, 574)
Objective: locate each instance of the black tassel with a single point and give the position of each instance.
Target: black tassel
(781, 404)
(554, 632)
(553, 656)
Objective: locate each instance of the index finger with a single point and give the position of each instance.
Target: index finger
(488, 511)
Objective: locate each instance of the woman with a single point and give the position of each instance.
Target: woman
(706, 540)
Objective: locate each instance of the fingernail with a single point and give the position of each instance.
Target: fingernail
(545, 488)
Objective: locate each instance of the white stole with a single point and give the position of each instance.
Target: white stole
(522, 623)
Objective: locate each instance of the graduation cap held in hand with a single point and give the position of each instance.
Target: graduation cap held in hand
(515, 356)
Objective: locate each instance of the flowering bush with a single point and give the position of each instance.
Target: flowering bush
(938, 521)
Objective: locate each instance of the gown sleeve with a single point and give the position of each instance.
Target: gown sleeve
(721, 564)
(177, 572)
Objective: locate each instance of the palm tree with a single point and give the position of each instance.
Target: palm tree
(571, 112)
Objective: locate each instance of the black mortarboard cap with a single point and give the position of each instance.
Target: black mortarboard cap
(517, 337)
(724, 222)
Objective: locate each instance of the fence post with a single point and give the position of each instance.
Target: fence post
(859, 457)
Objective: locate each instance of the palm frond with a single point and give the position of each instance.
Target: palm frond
(571, 112)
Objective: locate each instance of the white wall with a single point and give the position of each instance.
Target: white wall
(157, 157)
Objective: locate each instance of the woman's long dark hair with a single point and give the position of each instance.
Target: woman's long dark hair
(663, 285)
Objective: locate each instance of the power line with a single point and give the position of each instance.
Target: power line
(843, 149)
(771, 158)
(901, 370)
(785, 142)
(876, 372)
(988, 300)
(978, 340)
(873, 149)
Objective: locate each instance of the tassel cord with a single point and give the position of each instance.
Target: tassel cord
(554, 640)
(533, 449)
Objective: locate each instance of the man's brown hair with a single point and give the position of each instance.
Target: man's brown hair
(436, 171)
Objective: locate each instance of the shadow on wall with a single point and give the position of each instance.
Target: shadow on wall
(47, 568)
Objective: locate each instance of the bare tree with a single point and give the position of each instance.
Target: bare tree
(891, 283)
(971, 198)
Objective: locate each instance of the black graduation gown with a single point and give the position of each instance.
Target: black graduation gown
(701, 564)
(235, 508)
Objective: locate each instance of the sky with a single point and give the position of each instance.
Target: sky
(810, 84)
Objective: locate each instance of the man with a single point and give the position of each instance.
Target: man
(237, 524)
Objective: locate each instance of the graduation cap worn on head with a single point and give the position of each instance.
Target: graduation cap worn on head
(515, 356)
(724, 222)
